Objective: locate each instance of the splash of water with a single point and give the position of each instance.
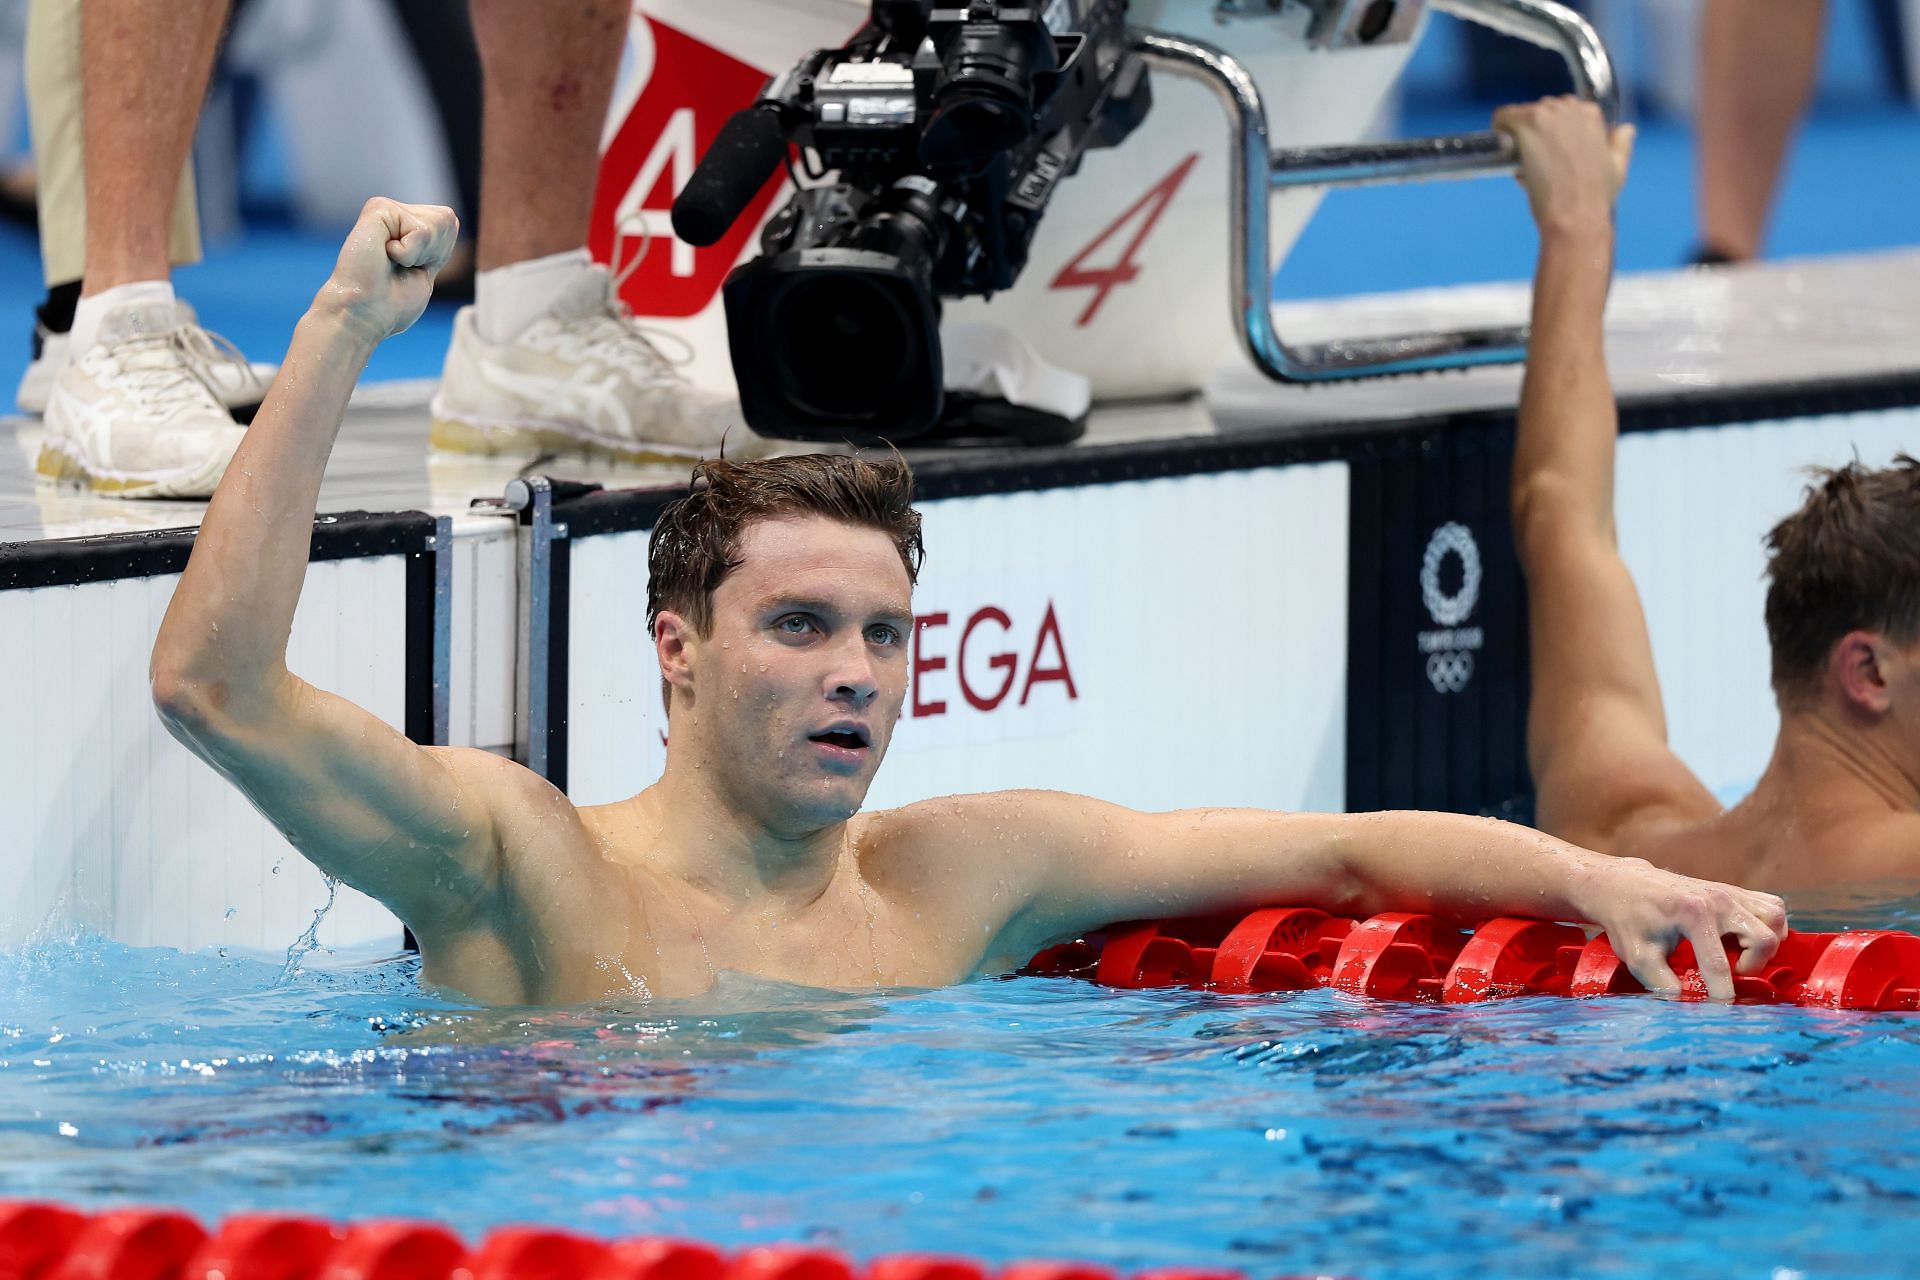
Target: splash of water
(309, 941)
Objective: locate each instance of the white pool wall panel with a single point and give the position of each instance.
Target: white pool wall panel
(117, 829)
(484, 634)
(614, 718)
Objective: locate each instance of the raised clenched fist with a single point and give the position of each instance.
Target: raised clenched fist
(385, 272)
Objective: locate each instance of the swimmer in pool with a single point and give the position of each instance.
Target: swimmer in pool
(1840, 800)
(781, 606)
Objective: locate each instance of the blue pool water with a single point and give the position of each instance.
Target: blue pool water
(1002, 1119)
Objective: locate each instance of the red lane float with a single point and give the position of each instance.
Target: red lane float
(1406, 956)
(137, 1244)
(49, 1242)
(33, 1237)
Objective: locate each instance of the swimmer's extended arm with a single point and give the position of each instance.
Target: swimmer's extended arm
(406, 824)
(1596, 729)
(1084, 863)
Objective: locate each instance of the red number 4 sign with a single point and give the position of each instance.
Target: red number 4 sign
(1141, 215)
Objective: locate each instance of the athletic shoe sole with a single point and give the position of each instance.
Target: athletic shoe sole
(459, 434)
(55, 463)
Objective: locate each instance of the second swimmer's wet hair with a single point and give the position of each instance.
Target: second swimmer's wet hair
(696, 541)
(1847, 560)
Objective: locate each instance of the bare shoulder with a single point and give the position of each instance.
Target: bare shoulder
(969, 866)
(1690, 843)
(1885, 847)
(901, 844)
(511, 790)
(1013, 814)
(537, 827)
(1767, 851)
(986, 834)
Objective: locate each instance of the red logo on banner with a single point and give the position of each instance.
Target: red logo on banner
(989, 625)
(693, 89)
(1146, 212)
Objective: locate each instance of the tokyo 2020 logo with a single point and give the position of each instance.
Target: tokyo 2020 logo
(1450, 648)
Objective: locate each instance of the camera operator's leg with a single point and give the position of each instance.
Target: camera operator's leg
(1758, 62)
(546, 357)
(549, 72)
(133, 411)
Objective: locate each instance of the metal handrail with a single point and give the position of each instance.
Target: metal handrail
(1257, 171)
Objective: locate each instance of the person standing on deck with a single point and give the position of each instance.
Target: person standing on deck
(138, 399)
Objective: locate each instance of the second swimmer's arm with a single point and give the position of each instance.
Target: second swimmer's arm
(1596, 727)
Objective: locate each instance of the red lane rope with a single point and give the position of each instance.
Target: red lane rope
(1405, 956)
(48, 1242)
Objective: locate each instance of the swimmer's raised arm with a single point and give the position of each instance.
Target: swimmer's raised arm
(406, 824)
(1083, 863)
(1596, 729)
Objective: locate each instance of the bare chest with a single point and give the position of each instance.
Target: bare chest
(852, 940)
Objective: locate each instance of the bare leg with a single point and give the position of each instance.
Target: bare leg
(145, 69)
(549, 73)
(1758, 60)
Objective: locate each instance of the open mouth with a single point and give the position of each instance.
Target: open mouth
(845, 739)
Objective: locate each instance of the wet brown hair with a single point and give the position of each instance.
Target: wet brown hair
(696, 541)
(1848, 559)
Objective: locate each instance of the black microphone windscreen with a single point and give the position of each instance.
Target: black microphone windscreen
(751, 145)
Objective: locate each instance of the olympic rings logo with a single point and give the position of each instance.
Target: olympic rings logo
(1451, 610)
(1449, 672)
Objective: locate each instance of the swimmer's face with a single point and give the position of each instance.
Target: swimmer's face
(799, 685)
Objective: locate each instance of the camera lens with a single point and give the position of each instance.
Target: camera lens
(983, 104)
(971, 125)
(840, 344)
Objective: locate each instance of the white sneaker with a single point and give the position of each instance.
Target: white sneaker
(132, 418)
(582, 376)
(240, 384)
